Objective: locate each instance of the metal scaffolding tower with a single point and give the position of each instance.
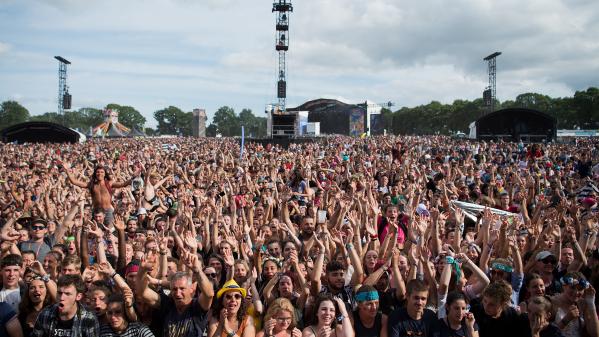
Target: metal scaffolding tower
(283, 9)
(490, 93)
(64, 98)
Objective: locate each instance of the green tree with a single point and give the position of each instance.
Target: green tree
(183, 122)
(211, 130)
(227, 123)
(11, 113)
(128, 116)
(167, 120)
(91, 117)
(254, 126)
(52, 117)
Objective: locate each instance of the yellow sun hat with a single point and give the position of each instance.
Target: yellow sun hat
(231, 285)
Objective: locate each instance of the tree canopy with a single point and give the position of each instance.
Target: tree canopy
(11, 113)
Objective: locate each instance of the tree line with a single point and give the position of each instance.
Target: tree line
(170, 120)
(579, 111)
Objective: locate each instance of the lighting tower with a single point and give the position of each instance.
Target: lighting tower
(283, 9)
(490, 92)
(64, 98)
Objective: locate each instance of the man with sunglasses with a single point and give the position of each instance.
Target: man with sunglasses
(38, 242)
(546, 266)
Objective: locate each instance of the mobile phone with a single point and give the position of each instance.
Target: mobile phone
(322, 216)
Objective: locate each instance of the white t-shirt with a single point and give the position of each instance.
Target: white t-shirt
(12, 297)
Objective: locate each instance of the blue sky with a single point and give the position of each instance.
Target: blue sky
(209, 53)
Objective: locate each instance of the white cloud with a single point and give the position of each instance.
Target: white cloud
(209, 53)
(4, 48)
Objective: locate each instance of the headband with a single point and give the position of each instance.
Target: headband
(501, 267)
(134, 268)
(366, 296)
(572, 282)
(456, 265)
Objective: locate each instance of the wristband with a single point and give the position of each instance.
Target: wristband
(113, 275)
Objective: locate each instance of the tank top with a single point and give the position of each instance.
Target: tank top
(363, 331)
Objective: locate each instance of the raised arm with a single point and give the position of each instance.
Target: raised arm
(149, 296)
(72, 178)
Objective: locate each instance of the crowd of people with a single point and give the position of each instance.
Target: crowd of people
(382, 236)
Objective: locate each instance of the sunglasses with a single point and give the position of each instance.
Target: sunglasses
(114, 312)
(234, 296)
(213, 275)
(38, 228)
(549, 260)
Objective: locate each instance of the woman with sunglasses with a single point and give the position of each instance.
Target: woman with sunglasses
(119, 323)
(280, 320)
(230, 318)
(576, 312)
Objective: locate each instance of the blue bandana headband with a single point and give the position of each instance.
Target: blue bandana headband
(573, 282)
(456, 265)
(501, 267)
(367, 296)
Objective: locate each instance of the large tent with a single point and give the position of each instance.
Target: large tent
(517, 124)
(39, 132)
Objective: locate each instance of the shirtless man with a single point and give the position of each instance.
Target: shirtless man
(101, 188)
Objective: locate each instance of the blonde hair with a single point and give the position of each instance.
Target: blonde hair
(278, 305)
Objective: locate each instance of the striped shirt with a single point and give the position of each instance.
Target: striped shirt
(134, 329)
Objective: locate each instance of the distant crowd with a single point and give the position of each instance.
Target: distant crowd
(382, 236)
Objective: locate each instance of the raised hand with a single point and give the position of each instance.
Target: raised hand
(269, 326)
(296, 333)
(325, 331)
(469, 318)
(95, 230)
(128, 297)
(190, 241)
(119, 223)
(37, 268)
(228, 258)
(106, 269)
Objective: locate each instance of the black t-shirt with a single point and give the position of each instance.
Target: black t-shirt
(446, 331)
(191, 323)
(400, 324)
(510, 323)
(363, 331)
(388, 302)
(551, 331)
(63, 328)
